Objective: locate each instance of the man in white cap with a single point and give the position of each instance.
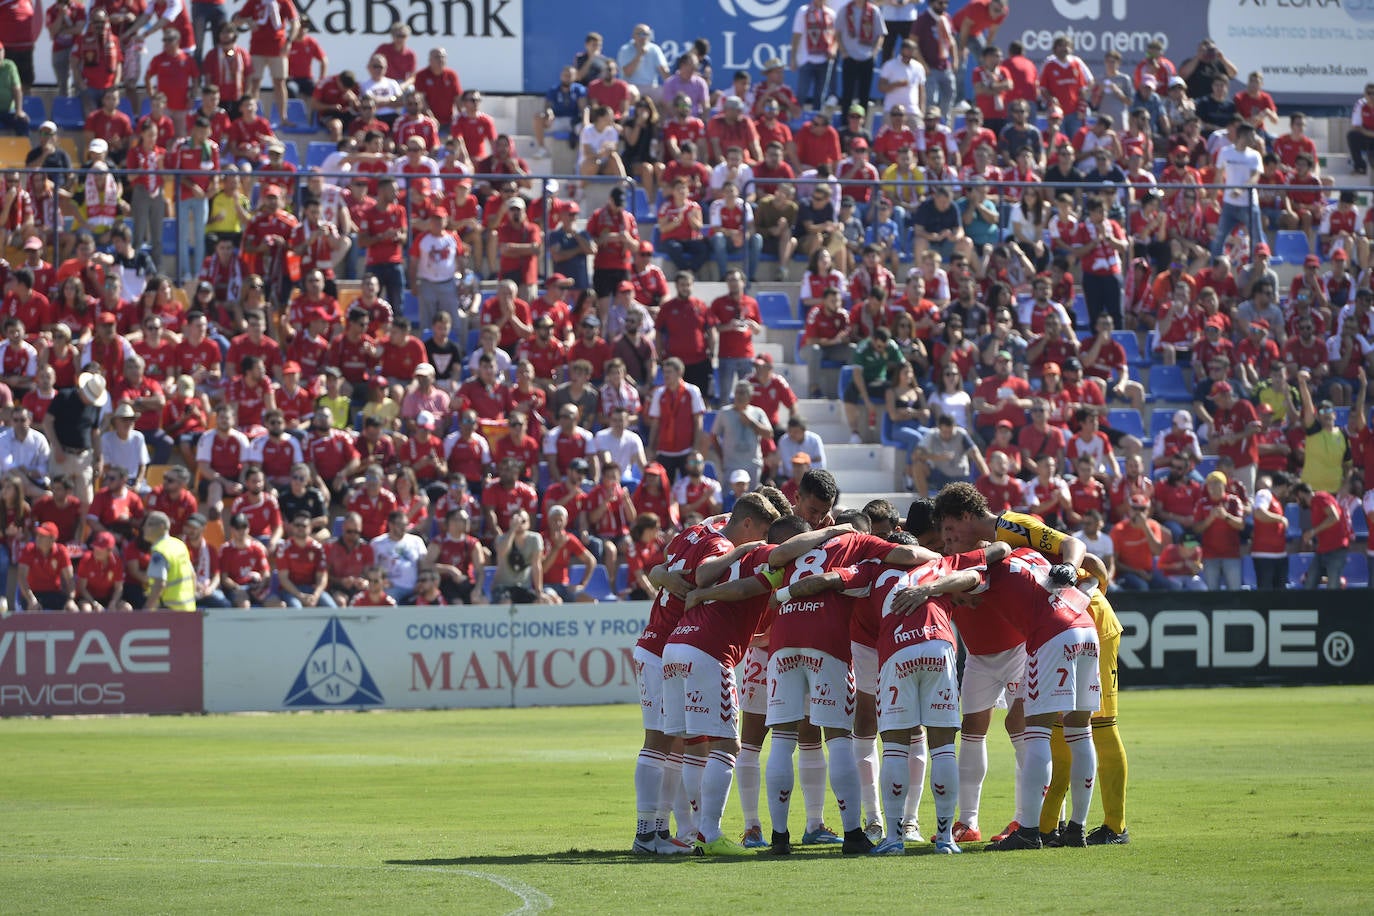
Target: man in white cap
(71, 422)
(1179, 440)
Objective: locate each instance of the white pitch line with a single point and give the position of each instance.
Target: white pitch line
(532, 899)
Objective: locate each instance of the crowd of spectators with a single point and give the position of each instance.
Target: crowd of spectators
(314, 445)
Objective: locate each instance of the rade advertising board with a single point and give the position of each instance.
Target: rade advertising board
(1308, 50)
(1173, 639)
(421, 658)
(86, 664)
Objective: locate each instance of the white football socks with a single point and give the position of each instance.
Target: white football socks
(866, 759)
(811, 773)
(1082, 771)
(916, 770)
(692, 769)
(894, 778)
(844, 781)
(780, 778)
(1018, 747)
(944, 786)
(1035, 773)
(747, 776)
(715, 793)
(648, 789)
(973, 769)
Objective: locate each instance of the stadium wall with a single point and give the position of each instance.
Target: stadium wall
(500, 656)
(1310, 51)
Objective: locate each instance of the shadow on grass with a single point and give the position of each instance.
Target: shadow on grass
(623, 857)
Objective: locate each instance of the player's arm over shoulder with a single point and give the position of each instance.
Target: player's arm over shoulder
(1021, 530)
(799, 544)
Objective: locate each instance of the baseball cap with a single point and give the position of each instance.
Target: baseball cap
(47, 127)
(1140, 501)
(1183, 419)
(580, 464)
(424, 369)
(558, 280)
(1004, 354)
(1259, 324)
(516, 203)
(740, 476)
(1262, 249)
(1221, 388)
(734, 102)
(1150, 81)
(1176, 81)
(646, 247)
(858, 144)
(857, 109)
(106, 318)
(765, 358)
(1215, 323)
(424, 419)
(771, 63)
(591, 321)
(380, 381)
(47, 528)
(1051, 368)
(801, 458)
(291, 367)
(1339, 255)
(1217, 477)
(1074, 364)
(33, 243)
(102, 541)
(625, 286)
(98, 146)
(1005, 424)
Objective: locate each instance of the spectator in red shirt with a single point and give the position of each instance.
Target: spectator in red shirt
(1219, 518)
(244, 572)
(562, 548)
(439, 83)
(302, 571)
(100, 60)
(46, 581)
(504, 497)
(275, 24)
(100, 578)
(459, 559)
(1329, 535)
(382, 231)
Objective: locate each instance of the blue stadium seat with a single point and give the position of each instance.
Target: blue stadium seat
(1293, 512)
(1359, 523)
(1080, 312)
(67, 114)
(317, 152)
(298, 114)
(1342, 417)
(127, 107)
(1167, 384)
(776, 311)
(1161, 421)
(1297, 568)
(622, 578)
(641, 209)
(708, 420)
(846, 373)
(1207, 465)
(170, 240)
(1131, 344)
(1127, 420)
(410, 306)
(36, 110)
(1356, 570)
(1290, 247)
(292, 154)
(600, 586)
(336, 527)
(488, 576)
(1247, 573)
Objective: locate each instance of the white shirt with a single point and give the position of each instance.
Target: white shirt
(1239, 167)
(626, 451)
(853, 48)
(30, 356)
(400, 558)
(383, 91)
(811, 444)
(912, 73)
(499, 356)
(258, 445)
(1025, 308)
(30, 455)
(901, 10)
(1101, 545)
(805, 56)
(680, 488)
(399, 165)
(437, 258)
(129, 454)
(596, 139)
(743, 177)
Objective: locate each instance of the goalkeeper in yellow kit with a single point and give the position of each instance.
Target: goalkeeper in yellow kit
(956, 505)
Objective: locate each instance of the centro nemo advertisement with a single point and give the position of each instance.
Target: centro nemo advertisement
(1315, 51)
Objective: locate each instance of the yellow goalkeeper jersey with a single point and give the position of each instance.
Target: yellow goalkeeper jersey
(1021, 530)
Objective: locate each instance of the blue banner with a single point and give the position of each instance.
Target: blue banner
(1310, 51)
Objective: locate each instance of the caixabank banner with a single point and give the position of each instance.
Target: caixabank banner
(1313, 51)
(89, 664)
(421, 658)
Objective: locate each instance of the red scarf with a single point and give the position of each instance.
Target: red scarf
(867, 28)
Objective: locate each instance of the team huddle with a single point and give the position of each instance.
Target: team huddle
(834, 628)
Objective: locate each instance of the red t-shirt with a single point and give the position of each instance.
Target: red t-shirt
(300, 564)
(45, 570)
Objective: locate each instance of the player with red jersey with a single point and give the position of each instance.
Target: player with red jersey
(687, 556)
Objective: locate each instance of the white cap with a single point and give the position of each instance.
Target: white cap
(740, 476)
(1183, 419)
(98, 146)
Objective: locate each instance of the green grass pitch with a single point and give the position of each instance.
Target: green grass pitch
(1240, 800)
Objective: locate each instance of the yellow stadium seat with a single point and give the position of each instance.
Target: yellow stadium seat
(13, 150)
(155, 474)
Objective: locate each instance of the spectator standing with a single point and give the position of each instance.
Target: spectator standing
(815, 53)
(938, 52)
(1139, 540)
(739, 431)
(275, 24)
(1329, 535)
(1360, 138)
(642, 61)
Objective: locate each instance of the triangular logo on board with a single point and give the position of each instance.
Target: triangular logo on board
(333, 674)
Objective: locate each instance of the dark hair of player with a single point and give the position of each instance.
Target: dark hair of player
(755, 507)
(854, 517)
(779, 502)
(957, 499)
(821, 484)
(902, 537)
(881, 510)
(787, 527)
(920, 518)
